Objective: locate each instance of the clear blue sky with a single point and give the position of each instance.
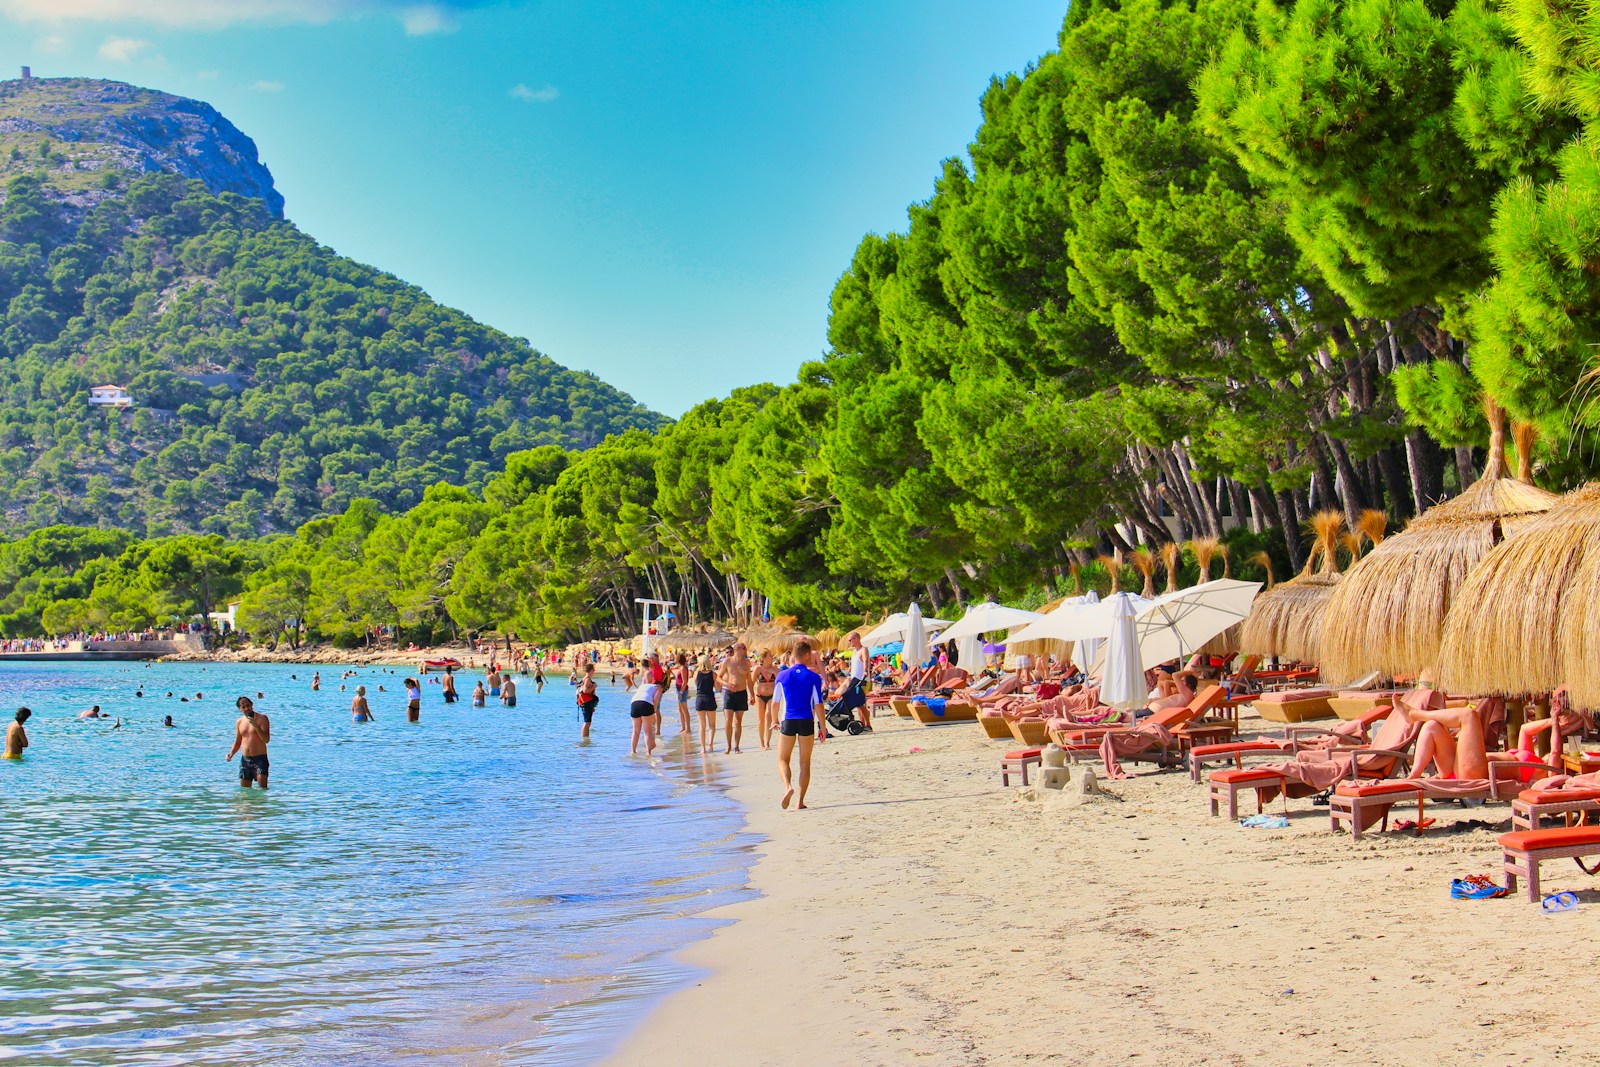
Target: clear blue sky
(661, 192)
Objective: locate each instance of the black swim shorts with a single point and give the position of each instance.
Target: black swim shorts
(587, 707)
(642, 709)
(735, 700)
(510, 702)
(798, 727)
(251, 768)
(705, 703)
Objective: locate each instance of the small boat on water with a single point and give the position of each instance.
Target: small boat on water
(441, 664)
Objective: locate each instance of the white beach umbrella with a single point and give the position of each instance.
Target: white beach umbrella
(1071, 622)
(1176, 624)
(916, 637)
(894, 628)
(1122, 683)
(1088, 649)
(985, 618)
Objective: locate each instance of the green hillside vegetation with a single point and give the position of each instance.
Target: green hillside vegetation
(274, 380)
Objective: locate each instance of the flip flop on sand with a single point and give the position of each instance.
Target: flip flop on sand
(1410, 824)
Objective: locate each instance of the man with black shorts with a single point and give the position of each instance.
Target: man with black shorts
(250, 736)
(734, 674)
(800, 691)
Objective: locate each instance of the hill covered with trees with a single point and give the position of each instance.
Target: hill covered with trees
(142, 245)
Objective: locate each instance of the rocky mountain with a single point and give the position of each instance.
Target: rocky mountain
(256, 378)
(75, 132)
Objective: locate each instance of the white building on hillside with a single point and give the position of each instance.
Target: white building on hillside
(111, 396)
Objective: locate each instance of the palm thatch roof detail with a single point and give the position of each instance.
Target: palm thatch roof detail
(1522, 622)
(1388, 614)
(1286, 620)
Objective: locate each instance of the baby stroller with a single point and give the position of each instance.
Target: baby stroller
(842, 718)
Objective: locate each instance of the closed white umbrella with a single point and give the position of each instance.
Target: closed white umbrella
(1122, 682)
(916, 637)
(986, 618)
(1176, 624)
(969, 653)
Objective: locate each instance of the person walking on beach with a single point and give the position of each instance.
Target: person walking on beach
(764, 678)
(413, 700)
(680, 683)
(449, 687)
(251, 733)
(735, 679)
(16, 736)
(508, 692)
(800, 691)
(854, 695)
(359, 711)
(588, 697)
(705, 702)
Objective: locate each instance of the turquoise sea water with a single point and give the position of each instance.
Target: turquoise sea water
(474, 889)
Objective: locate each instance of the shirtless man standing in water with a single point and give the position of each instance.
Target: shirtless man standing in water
(16, 736)
(735, 679)
(250, 736)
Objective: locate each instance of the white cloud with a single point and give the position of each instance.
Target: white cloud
(426, 19)
(53, 44)
(419, 17)
(122, 49)
(267, 87)
(534, 96)
(207, 75)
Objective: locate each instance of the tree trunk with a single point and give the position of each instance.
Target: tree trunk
(1464, 469)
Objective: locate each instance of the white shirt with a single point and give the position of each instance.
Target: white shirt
(858, 665)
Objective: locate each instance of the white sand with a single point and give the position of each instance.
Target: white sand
(921, 913)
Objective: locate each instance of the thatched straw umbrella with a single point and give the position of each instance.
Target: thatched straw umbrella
(1286, 620)
(1522, 620)
(1388, 613)
(1205, 550)
(1264, 561)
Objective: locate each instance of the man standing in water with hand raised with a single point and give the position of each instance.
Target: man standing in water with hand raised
(250, 736)
(800, 691)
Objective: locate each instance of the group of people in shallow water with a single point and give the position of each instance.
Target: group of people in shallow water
(790, 691)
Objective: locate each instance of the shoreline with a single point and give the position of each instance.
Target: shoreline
(921, 912)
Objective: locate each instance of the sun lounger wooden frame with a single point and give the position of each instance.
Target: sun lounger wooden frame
(1018, 762)
(1529, 814)
(1524, 850)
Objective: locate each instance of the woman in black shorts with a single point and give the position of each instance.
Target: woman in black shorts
(705, 701)
(643, 714)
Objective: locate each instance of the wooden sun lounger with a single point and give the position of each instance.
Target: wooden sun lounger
(1524, 850)
(1533, 805)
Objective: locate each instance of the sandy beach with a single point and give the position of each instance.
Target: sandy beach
(921, 913)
